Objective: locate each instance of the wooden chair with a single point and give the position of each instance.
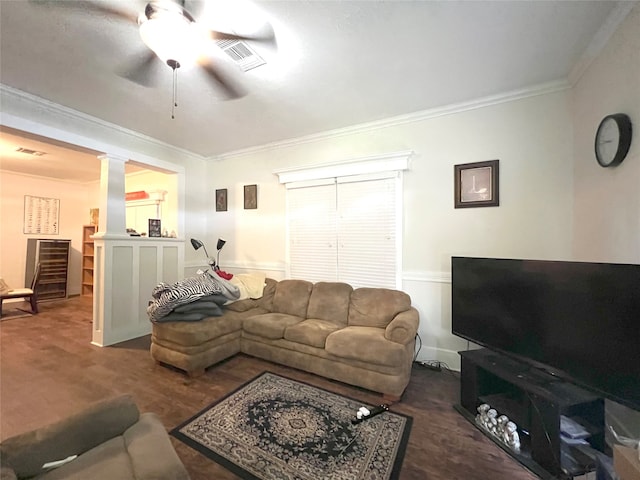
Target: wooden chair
(28, 294)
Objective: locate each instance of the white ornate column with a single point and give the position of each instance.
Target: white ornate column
(126, 269)
(111, 225)
(112, 197)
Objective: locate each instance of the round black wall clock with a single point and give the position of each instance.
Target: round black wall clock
(613, 139)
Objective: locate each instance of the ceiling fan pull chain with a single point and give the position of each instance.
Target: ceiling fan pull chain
(175, 65)
(175, 92)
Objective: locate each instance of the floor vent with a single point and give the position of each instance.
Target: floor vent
(28, 151)
(241, 53)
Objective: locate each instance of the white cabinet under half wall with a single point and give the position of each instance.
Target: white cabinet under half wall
(126, 270)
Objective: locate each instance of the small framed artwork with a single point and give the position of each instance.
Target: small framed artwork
(477, 184)
(250, 197)
(221, 200)
(155, 229)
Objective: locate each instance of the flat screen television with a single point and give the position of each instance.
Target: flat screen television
(577, 320)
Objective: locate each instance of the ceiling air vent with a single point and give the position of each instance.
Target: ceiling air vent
(28, 151)
(241, 53)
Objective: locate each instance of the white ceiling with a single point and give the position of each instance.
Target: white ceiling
(338, 63)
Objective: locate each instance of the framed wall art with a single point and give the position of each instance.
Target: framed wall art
(155, 227)
(221, 200)
(477, 184)
(250, 197)
(41, 215)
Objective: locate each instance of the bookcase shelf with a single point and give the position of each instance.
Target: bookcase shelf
(87, 259)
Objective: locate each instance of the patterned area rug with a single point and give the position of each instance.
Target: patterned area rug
(280, 429)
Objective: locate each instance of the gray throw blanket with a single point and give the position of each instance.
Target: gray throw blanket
(166, 297)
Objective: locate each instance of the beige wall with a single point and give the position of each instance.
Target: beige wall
(74, 212)
(75, 201)
(532, 139)
(555, 201)
(607, 200)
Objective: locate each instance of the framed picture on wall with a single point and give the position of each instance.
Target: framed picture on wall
(41, 215)
(155, 229)
(477, 184)
(221, 200)
(250, 197)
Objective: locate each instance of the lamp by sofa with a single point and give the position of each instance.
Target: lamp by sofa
(197, 244)
(219, 246)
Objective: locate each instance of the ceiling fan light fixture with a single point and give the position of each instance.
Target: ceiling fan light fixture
(174, 39)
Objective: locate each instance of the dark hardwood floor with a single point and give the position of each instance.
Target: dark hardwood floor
(49, 369)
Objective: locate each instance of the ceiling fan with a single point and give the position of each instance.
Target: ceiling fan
(173, 35)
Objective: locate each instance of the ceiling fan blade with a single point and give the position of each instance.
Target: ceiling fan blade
(264, 35)
(231, 89)
(144, 71)
(89, 6)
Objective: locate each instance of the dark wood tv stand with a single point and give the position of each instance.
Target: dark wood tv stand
(535, 401)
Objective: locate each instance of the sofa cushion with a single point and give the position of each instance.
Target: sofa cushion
(292, 297)
(312, 332)
(196, 333)
(107, 461)
(269, 325)
(266, 301)
(241, 305)
(366, 344)
(376, 307)
(330, 301)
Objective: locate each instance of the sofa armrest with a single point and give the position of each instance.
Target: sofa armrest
(404, 327)
(28, 452)
(151, 452)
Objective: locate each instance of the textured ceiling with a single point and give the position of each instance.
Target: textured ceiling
(337, 63)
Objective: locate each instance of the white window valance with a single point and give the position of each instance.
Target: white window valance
(388, 162)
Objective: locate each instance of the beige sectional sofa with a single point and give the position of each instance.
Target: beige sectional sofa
(110, 440)
(363, 337)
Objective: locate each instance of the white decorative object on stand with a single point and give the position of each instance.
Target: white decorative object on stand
(511, 437)
(481, 417)
(492, 421)
(501, 428)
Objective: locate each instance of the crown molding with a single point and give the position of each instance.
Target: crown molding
(483, 102)
(39, 104)
(600, 39)
(78, 183)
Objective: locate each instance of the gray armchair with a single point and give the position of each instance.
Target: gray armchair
(111, 439)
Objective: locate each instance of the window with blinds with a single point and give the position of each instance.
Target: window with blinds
(346, 229)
